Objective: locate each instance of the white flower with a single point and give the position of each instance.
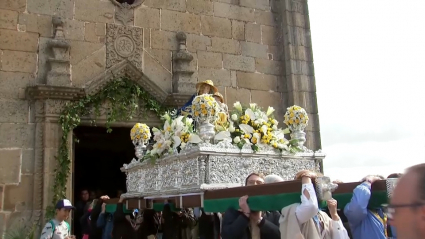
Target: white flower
(234, 117)
(232, 129)
(223, 135)
(247, 129)
(183, 145)
(252, 105)
(236, 140)
(275, 122)
(270, 111)
(238, 106)
(194, 139)
(251, 114)
(274, 127)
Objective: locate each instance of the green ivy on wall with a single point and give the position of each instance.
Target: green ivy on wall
(123, 96)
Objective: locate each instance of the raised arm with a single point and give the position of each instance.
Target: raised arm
(101, 221)
(338, 230)
(309, 206)
(119, 215)
(356, 209)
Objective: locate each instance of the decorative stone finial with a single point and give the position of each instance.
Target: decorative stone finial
(182, 69)
(59, 73)
(181, 36)
(57, 21)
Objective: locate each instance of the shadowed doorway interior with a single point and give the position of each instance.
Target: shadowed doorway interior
(98, 158)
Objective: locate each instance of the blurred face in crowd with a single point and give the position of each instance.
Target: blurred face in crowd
(254, 180)
(85, 195)
(407, 211)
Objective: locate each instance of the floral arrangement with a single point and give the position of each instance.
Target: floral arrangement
(222, 122)
(140, 133)
(252, 126)
(296, 118)
(175, 135)
(205, 108)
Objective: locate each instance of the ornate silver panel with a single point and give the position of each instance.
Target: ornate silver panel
(208, 166)
(391, 183)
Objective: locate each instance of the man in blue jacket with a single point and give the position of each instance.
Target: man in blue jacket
(367, 223)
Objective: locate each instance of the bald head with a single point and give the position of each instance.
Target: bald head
(418, 178)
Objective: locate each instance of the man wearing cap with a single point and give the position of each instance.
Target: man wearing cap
(58, 228)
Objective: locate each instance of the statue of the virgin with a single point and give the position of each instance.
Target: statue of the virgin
(204, 87)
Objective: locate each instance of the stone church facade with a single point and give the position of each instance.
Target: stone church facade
(56, 51)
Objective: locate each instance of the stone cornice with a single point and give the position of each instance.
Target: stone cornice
(42, 92)
(177, 99)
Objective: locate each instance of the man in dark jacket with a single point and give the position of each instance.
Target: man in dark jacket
(247, 224)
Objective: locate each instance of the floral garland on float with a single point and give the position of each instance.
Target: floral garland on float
(258, 129)
(247, 127)
(173, 137)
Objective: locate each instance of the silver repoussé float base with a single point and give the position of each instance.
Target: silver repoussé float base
(207, 166)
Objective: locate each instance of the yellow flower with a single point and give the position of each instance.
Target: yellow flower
(254, 140)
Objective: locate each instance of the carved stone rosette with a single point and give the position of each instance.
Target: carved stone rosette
(207, 166)
(123, 43)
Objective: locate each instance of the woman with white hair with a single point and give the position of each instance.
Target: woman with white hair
(272, 178)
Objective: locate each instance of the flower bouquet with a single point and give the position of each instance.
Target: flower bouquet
(205, 111)
(174, 136)
(252, 126)
(296, 119)
(140, 135)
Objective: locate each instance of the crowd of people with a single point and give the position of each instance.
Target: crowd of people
(305, 220)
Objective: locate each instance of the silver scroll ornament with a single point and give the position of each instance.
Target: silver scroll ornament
(324, 188)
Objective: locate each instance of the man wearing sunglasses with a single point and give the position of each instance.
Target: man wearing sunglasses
(407, 208)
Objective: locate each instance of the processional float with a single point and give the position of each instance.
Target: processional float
(201, 157)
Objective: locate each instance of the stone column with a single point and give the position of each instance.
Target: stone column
(299, 69)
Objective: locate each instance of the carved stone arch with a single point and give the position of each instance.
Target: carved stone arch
(125, 69)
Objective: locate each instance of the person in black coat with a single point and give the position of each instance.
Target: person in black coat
(236, 225)
(246, 224)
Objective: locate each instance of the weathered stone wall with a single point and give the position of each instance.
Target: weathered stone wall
(254, 51)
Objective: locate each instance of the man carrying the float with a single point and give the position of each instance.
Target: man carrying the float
(244, 224)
